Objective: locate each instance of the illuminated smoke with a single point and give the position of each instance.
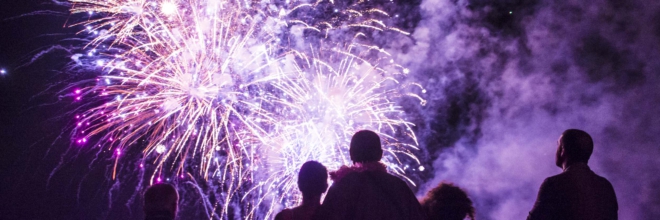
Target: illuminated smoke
(507, 77)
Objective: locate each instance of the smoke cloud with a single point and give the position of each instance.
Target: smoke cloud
(505, 78)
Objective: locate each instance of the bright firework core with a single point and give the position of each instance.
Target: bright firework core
(168, 8)
(207, 89)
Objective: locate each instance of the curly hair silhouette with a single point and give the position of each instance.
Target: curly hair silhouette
(447, 202)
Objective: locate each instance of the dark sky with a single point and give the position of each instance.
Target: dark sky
(504, 79)
(30, 123)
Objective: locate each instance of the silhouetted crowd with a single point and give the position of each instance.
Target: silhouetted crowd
(366, 190)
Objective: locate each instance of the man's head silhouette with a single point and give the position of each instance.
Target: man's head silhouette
(312, 179)
(365, 147)
(574, 146)
(577, 192)
(160, 200)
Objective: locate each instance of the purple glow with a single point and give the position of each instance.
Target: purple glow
(81, 141)
(519, 87)
(515, 92)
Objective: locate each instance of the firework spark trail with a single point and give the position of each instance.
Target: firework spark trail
(172, 81)
(209, 84)
(324, 109)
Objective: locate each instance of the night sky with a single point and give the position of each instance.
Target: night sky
(504, 79)
(30, 122)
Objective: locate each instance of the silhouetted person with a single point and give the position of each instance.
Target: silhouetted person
(312, 182)
(366, 190)
(576, 193)
(447, 202)
(160, 202)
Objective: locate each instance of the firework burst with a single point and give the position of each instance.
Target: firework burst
(321, 105)
(213, 84)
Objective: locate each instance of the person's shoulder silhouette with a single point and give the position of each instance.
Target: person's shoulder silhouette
(312, 182)
(365, 190)
(576, 193)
